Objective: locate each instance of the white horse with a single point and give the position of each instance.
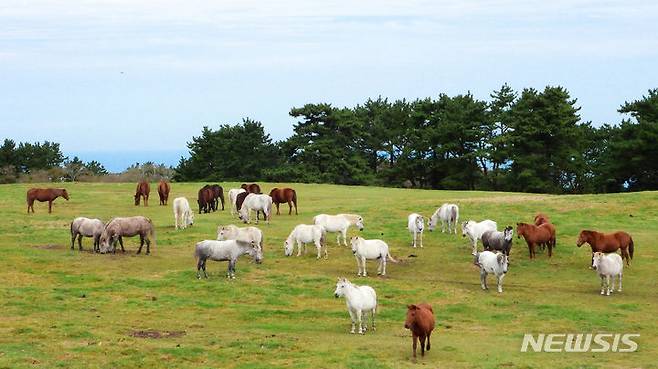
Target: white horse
(447, 214)
(245, 234)
(85, 227)
(183, 214)
(416, 224)
(303, 234)
(256, 202)
(474, 230)
(228, 250)
(370, 249)
(608, 266)
(359, 300)
(491, 263)
(232, 196)
(339, 223)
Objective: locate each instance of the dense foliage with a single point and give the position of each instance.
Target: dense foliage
(532, 141)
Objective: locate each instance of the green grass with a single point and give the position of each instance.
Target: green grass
(70, 309)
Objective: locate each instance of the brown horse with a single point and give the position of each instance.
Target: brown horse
(541, 218)
(163, 191)
(217, 194)
(251, 188)
(143, 190)
(537, 235)
(609, 242)
(205, 199)
(240, 199)
(281, 195)
(420, 320)
(45, 194)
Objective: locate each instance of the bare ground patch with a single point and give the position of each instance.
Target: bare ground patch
(151, 333)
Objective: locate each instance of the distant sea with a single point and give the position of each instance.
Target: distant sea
(118, 161)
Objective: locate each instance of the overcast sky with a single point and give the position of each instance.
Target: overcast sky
(147, 75)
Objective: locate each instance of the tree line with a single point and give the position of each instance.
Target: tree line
(527, 141)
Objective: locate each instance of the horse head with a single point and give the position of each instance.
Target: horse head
(340, 287)
(583, 237)
(65, 194)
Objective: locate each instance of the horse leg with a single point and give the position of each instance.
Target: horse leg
(359, 314)
(141, 243)
(415, 343)
(318, 246)
(602, 284)
(500, 282)
(427, 347)
(353, 318)
(422, 345)
(289, 207)
(625, 256)
(420, 235)
(372, 316)
(50, 206)
(148, 246)
(277, 208)
(80, 242)
(607, 285)
(73, 236)
(344, 232)
(121, 243)
(383, 265)
(299, 248)
(619, 276)
(483, 278)
(550, 250)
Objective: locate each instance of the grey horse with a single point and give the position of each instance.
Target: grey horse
(228, 250)
(85, 227)
(116, 228)
(495, 240)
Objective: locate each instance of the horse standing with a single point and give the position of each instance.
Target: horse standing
(233, 197)
(502, 241)
(143, 190)
(217, 195)
(339, 223)
(85, 227)
(610, 242)
(359, 300)
(415, 225)
(228, 250)
(205, 199)
(163, 191)
(608, 266)
(537, 235)
(45, 194)
(420, 321)
(282, 195)
(370, 249)
(303, 234)
(491, 263)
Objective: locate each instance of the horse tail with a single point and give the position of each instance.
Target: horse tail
(631, 247)
(294, 199)
(388, 254)
(152, 231)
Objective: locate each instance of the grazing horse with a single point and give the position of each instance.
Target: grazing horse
(85, 227)
(609, 242)
(420, 321)
(217, 195)
(205, 199)
(251, 188)
(541, 218)
(281, 195)
(117, 228)
(45, 194)
(608, 266)
(143, 190)
(534, 235)
(228, 250)
(359, 300)
(163, 191)
(256, 202)
(239, 200)
(448, 214)
(303, 234)
(183, 215)
(474, 230)
(247, 234)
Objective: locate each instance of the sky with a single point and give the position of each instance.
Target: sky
(131, 78)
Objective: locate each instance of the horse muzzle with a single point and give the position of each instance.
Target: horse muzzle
(335, 295)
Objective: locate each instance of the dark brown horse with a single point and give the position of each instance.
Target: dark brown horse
(217, 194)
(240, 199)
(282, 195)
(163, 191)
(45, 194)
(420, 321)
(205, 199)
(608, 242)
(143, 190)
(541, 218)
(251, 188)
(537, 235)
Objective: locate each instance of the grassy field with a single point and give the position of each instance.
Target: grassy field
(70, 309)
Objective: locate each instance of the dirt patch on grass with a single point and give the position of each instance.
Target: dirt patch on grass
(49, 246)
(151, 333)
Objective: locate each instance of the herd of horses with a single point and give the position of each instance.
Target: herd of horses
(234, 241)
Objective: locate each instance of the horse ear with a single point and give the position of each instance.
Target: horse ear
(412, 307)
(500, 258)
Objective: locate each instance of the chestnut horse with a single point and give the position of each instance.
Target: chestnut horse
(163, 191)
(534, 235)
(217, 194)
(420, 320)
(251, 188)
(608, 242)
(205, 199)
(281, 195)
(541, 218)
(143, 190)
(45, 194)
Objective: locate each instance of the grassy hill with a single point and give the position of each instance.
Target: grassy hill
(64, 308)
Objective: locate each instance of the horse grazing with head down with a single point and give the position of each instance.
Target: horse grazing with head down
(251, 188)
(537, 235)
(163, 191)
(281, 195)
(45, 194)
(143, 190)
(608, 242)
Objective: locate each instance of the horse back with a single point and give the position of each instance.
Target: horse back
(424, 322)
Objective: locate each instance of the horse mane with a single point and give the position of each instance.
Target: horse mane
(351, 217)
